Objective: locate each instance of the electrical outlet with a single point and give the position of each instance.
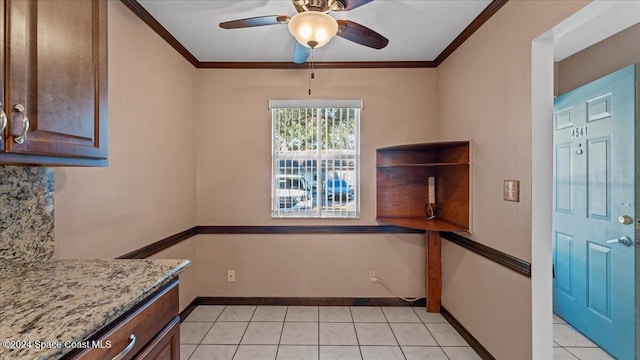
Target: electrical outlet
(372, 275)
(511, 190)
(231, 276)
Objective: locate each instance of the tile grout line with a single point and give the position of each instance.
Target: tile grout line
(570, 353)
(564, 323)
(356, 330)
(430, 333)
(205, 334)
(353, 323)
(284, 320)
(428, 330)
(318, 332)
(244, 333)
(393, 332)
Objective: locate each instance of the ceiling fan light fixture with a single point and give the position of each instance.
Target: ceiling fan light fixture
(313, 29)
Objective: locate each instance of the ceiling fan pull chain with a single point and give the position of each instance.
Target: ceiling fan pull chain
(311, 74)
(309, 78)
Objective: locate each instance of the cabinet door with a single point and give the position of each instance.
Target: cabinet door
(57, 71)
(166, 346)
(3, 118)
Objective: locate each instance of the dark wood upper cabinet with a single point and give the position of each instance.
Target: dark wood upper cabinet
(55, 75)
(3, 116)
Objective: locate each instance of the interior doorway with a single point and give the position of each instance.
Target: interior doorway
(593, 211)
(570, 36)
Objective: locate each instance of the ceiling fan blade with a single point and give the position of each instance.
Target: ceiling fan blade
(300, 53)
(361, 34)
(255, 21)
(352, 4)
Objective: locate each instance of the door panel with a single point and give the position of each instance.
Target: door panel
(562, 181)
(599, 279)
(594, 167)
(563, 118)
(598, 155)
(564, 264)
(599, 108)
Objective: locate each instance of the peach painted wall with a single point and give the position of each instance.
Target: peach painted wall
(596, 61)
(233, 183)
(148, 190)
(484, 94)
(310, 265)
(188, 278)
(234, 132)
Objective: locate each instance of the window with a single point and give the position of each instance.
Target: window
(315, 158)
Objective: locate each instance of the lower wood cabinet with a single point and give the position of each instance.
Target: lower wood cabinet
(165, 346)
(150, 331)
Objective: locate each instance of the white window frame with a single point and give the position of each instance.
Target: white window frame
(319, 203)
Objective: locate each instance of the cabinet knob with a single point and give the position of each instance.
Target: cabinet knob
(3, 121)
(25, 124)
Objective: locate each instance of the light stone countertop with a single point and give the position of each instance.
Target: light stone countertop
(70, 300)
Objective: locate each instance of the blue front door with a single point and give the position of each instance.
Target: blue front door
(594, 241)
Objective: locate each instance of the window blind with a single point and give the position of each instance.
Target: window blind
(315, 158)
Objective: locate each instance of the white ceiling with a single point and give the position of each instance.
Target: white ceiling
(418, 30)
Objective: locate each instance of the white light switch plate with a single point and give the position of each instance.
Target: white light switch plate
(511, 190)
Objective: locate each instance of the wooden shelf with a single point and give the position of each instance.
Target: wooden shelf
(422, 165)
(445, 145)
(402, 174)
(421, 223)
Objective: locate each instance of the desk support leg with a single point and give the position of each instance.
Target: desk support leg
(433, 276)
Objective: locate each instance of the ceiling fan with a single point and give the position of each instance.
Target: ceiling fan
(313, 27)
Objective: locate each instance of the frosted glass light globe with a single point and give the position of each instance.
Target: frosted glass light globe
(313, 29)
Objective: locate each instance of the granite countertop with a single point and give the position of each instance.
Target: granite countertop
(70, 300)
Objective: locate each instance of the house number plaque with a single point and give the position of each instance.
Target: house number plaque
(580, 131)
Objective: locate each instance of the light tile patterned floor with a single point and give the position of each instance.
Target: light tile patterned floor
(569, 344)
(319, 333)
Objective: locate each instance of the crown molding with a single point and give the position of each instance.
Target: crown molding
(148, 19)
(316, 65)
(482, 18)
(145, 16)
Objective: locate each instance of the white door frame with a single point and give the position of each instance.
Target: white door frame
(591, 24)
